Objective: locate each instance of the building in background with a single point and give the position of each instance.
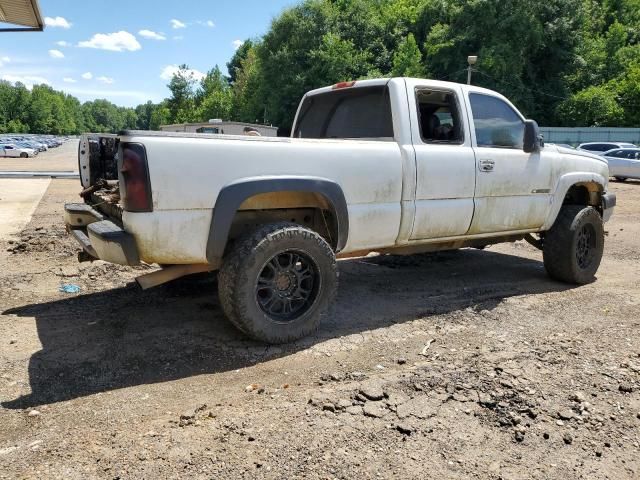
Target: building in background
(577, 135)
(220, 127)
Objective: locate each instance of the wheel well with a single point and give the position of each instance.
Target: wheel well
(584, 194)
(310, 209)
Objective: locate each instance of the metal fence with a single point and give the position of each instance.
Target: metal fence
(577, 135)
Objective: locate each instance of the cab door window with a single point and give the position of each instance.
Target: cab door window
(439, 116)
(497, 125)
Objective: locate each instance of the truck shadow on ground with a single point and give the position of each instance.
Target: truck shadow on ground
(126, 337)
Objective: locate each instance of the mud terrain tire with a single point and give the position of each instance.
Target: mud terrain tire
(573, 247)
(278, 282)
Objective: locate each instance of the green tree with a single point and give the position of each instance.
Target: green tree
(16, 126)
(247, 90)
(407, 60)
(595, 106)
(161, 116)
(214, 99)
(40, 110)
(530, 70)
(235, 64)
(181, 103)
(628, 91)
(144, 113)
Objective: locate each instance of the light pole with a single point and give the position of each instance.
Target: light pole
(471, 60)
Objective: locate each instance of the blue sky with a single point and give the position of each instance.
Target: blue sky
(125, 51)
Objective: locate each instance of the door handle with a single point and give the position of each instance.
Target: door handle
(487, 165)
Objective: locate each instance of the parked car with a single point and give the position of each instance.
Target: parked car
(623, 163)
(27, 145)
(395, 166)
(10, 150)
(600, 147)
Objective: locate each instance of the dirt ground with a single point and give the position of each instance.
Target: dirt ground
(468, 364)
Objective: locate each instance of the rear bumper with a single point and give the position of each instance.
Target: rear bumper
(99, 237)
(609, 201)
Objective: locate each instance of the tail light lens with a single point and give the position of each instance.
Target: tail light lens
(135, 188)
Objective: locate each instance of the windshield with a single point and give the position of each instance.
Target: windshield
(350, 113)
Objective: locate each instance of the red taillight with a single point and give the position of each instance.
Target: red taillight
(136, 188)
(340, 85)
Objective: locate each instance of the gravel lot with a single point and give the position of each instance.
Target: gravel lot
(467, 364)
(61, 159)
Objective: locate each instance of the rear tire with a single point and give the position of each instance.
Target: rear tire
(277, 283)
(621, 179)
(24, 155)
(574, 245)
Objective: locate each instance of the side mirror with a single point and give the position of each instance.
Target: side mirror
(533, 140)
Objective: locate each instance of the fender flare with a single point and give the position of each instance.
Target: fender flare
(565, 182)
(234, 194)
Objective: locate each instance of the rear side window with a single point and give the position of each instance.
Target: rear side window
(350, 113)
(497, 124)
(439, 116)
(598, 147)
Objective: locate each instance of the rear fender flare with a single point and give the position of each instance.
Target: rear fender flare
(234, 194)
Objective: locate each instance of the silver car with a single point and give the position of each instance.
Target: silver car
(12, 150)
(623, 163)
(599, 148)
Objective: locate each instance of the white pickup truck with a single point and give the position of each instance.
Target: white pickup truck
(396, 166)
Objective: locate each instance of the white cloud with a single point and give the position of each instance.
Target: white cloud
(69, 80)
(178, 37)
(107, 80)
(87, 75)
(60, 22)
(176, 24)
(151, 35)
(62, 43)
(56, 54)
(115, 42)
(206, 23)
(5, 59)
(168, 72)
(237, 44)
(28, 80)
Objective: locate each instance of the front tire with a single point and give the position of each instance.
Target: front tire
(277, 283)
(23, 155)
(574, 245)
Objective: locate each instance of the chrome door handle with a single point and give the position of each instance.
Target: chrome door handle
(487, 165)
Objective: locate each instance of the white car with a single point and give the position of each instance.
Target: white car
(599, 148)
(11, 150)
(394, 166)
(624, 163)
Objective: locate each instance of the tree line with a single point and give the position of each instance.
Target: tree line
(562, 62)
